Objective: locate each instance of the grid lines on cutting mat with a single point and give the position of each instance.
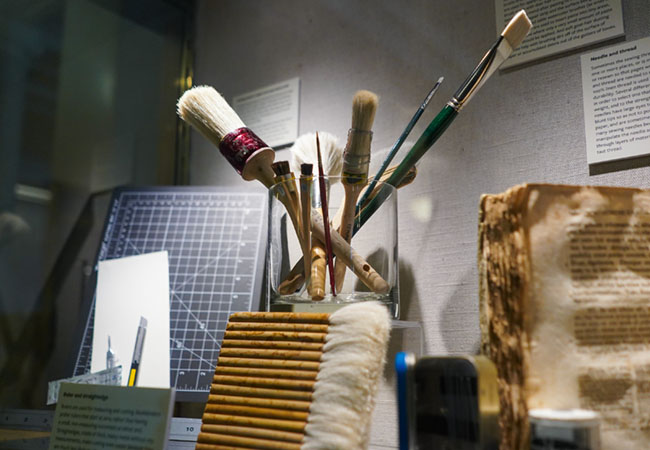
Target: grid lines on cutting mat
(213, 241)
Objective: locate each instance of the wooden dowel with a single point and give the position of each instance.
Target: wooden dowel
(276, 424)
(272, 353)
(302, 385)
(277, 326)
(272, 373)
(200, 446)
(253, 411)
(248, 316)
(269, 363)
(352, 259)
(262, 402)
(260, 392)
(277, 335)
(253, 432)
(251, 343)
(247, 442)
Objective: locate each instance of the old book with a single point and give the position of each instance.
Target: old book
(565, 306)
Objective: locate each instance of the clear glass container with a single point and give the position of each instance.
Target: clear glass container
(372, 252)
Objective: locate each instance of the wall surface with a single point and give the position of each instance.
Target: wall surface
(525, 125)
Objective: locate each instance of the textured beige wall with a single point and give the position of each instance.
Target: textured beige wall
(525, 125)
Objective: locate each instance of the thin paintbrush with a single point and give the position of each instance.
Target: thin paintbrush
(513, 34)
(306, 178)
(356, 161)
(288, 194)
(398, 144)
(328, 237)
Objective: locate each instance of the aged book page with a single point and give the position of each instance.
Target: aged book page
(585, 304)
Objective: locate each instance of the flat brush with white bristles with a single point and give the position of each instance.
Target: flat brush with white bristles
(297, 381)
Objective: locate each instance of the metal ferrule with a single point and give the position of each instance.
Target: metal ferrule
(356, 157)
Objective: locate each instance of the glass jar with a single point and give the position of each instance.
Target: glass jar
(370, 260)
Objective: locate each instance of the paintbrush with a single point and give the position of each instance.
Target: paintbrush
(296, 276)
(511, 37)
(288, 194)
(328, 237)
(398, 144)
(207, 111)
(297, 380)
(356, 161)
(303, 151)
(306, 178)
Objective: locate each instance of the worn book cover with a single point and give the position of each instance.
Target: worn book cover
(565, 305)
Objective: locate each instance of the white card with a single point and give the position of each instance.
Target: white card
(127, 289)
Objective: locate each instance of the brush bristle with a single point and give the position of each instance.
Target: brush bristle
(304, 151)
(517, 29)
(306, 169)
(281, 167)
(207, 111)
(364, 106)
(350, 371)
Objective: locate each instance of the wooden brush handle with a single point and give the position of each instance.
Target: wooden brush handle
(256, 343)
(275, 424)
(345, 229)
(285, 194)
(215, 441)
(248, 391)
(258, 167)
(270, 363)
(268, 316)
(271, 373)
(253, 432)
(246, 410)
(271, 353)
(278, 326)
(294, 405)
(295, 279)
(352, 259)
(318, 269)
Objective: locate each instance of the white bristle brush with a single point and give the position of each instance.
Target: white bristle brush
(207, 111)
(303, 151)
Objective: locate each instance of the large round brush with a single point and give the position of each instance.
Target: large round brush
(356, 161)
(207, 111)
